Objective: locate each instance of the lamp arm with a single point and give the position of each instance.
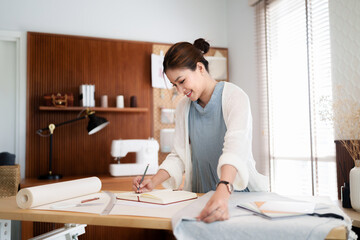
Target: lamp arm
(70, 121)
(51, 129)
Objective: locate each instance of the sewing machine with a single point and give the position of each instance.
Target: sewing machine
(146, 153)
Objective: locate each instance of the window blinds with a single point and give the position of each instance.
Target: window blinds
(295, 75)
(262, 84)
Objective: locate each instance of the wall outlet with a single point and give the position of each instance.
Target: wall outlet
(5, 229)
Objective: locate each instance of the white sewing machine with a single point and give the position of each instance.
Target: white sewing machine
(146, 153)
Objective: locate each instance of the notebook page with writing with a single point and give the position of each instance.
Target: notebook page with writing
(166, 196)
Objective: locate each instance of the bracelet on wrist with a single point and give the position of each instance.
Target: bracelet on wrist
(229, 186)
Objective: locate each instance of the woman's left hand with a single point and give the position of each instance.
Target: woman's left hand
(216, 208)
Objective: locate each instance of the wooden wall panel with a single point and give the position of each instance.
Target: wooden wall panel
(60, 63)
(344, 163)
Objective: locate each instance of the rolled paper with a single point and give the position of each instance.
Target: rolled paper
(49, 193)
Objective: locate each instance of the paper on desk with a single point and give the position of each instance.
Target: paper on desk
(148, 209)
(74, 204)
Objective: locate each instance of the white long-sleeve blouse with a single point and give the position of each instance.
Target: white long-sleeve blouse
(237, 150)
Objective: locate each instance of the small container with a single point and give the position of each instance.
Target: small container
(167, 116)
(345, 196)
(166, 139)
(120, 101)
(104, 101)
(133, 102)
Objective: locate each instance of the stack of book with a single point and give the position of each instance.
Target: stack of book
(87, 95)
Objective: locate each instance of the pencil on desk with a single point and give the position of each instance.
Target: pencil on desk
(89, 200)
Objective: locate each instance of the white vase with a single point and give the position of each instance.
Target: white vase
(355, 186)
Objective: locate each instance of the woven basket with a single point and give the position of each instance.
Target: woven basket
(9, 180)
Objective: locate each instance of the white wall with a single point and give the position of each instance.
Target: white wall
(144, 20)
(8, 95)
(12, 95)
(345, 53)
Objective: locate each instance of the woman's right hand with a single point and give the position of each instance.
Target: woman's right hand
(146, 186)
(149, 183)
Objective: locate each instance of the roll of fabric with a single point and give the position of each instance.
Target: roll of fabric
(45, 194)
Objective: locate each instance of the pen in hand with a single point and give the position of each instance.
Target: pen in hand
(142, 179)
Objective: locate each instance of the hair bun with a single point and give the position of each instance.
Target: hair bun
(201, 44)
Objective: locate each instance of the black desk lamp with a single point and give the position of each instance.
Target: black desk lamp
(95, 124)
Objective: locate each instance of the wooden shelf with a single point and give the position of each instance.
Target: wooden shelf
(97, 109)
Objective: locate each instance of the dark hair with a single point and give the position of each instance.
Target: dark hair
(186, 55)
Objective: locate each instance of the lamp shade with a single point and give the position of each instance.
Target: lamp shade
(96, 124)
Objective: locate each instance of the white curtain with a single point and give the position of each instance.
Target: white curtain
(296, 94)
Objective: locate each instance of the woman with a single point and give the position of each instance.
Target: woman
(213, 134)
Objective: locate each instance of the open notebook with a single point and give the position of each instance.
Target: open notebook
(275, 209)
(166, 196)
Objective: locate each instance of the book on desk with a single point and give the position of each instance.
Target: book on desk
(281, 209)
(275, 209)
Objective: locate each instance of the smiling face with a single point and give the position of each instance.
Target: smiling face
(188, 82)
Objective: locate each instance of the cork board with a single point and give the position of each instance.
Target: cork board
(168, 98)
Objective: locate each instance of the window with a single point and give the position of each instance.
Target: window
(295, 74)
